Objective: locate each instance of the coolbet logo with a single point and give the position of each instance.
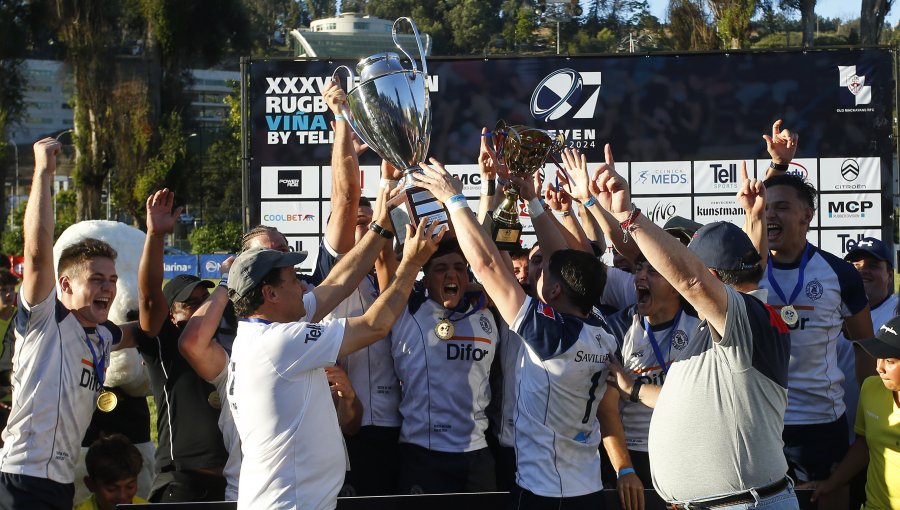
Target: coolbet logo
(855, 83)
(290, 182)
(560, 91)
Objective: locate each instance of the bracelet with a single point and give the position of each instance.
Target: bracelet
(383, 232)
(535, 208)
(589, 202)
(223, 281)
(388, 183)
(781, 167)
(488, 187)
(634, 396)
(339, 117)
(456, 202)
(630, 224)
(625, 471)
(563, 214)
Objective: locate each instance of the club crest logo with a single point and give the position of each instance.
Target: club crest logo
(679, 340)
(814, 290)
(485, 325)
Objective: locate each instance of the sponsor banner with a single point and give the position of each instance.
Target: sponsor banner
(723, 176)
(290, 182)
(850, 210)
(806, 168)
(292, 217)
(722, 208)
(839, 242)
(174, 265)
(369, 177)
(660, 177)
(470, 176)
(309, 244)
(210, 265)
(660, 209)
(846, 174)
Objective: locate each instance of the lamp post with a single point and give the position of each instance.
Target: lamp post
(16, 183)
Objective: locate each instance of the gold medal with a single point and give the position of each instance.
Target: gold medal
(789, 315)
(214, 400)
(107, 401)
(444, 329)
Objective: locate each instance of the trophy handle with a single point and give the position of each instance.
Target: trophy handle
(418, 42)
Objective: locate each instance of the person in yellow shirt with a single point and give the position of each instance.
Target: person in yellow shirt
(877, 427)
(113, 464)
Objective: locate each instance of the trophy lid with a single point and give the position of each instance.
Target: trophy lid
(378, 65)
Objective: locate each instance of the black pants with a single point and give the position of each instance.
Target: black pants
(374, 461)
(22, 492)
(424, 471)
(185, 486)
(521, 499)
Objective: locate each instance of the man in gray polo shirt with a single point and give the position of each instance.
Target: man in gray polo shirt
(721, 411)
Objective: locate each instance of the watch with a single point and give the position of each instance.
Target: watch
(781, 167)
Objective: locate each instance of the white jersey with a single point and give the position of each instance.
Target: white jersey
(640, 361)
(370, 369)
(831, 291)
(884, 311)
(445, 386)
(279, 396)
(55, 389)
(512, 358)
(560, 387)
(230, 435)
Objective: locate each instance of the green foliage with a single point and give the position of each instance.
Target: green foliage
(164, 169)
(733, 20)
(222, 167)
(12, 241)
(472, 24)
(216, 237)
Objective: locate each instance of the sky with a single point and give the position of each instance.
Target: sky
(844, 9)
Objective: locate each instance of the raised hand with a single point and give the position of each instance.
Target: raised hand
(436, 179)
(339, 382)
(161, 218)
(752, 195)
(422, 242)
(45, 152)
(488, 162)
(580, 186)
(558, 199)
(612, 189)
(782, 144)
(334, 96)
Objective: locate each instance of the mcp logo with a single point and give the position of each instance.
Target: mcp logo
(560, 91)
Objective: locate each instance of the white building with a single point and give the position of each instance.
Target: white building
(352, 35)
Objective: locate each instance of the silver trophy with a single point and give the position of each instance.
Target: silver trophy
(391, 112)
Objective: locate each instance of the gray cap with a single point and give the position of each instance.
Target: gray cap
(251, 267)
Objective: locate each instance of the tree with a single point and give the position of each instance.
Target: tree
(222, 172)
(219, 237)
(358, 6)
(807, 10)
(871, 20)
(473, 24)
(689, 26)
(14, 22)
(733, 20)
(318, 9)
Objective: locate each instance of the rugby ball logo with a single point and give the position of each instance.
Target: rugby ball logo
(556, 95)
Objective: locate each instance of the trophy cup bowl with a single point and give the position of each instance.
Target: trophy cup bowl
(390, 110)
(524, 150)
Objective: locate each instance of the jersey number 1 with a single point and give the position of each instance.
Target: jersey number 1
(595, 381)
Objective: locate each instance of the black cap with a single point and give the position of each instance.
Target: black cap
(886, 343)
(870, 246)
(682, 228)
(723, 245)
(180, 288)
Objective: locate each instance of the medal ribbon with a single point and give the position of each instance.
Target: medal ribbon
(656, 350)
(777, 288)
(478, 306)
(256, 320)
(99, 367)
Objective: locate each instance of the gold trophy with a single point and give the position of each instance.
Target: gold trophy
(524, 150)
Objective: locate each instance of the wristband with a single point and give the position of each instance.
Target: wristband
(563, 214)
(781, 167)
(456, 202)
(535, 208)
(630, 224)
(338, 117)
(589, 202)
(625, 471)
(223, 281)
(383, 232)
(488, 187)
(634, 396)
(388, 183)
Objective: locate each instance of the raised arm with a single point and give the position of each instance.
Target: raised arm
(380, 317)
(197, 342)
(480, 251)
(782, 146)
(39, 275)
(490, 167)
(560, 202)
(752, 198)
(152, 306)
(386, 263)
(345, 187)
(629, 486)
(678, 265)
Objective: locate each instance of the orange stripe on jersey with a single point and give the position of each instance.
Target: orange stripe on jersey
(470, 339)
(87, 362)
(798, 307)
(645, 370)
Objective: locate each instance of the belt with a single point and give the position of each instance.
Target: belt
(734, 499)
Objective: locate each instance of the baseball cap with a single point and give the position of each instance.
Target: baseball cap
(179, 289)
(886, 343)
(870, 246)
(723, 245)
(682, 228)
(251, 267)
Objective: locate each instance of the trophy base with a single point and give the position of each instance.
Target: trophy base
(506, 237)
(412, 205)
